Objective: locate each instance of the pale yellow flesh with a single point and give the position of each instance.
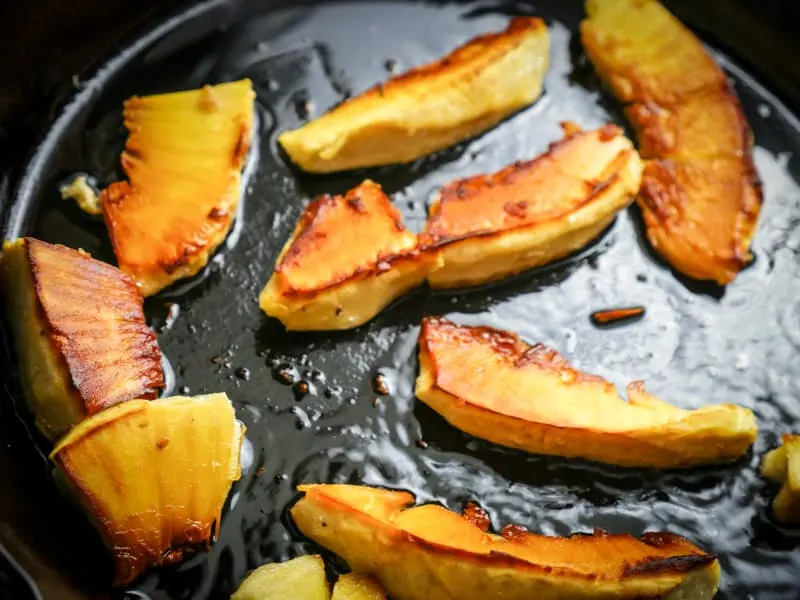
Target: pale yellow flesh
(414, 120)
(782, 466)
(409, 569)
(153, 475)
(357, 586)
(479, 258)
(347, 305)
(301, 578)
(53, 400)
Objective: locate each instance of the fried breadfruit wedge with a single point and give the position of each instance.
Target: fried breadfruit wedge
(531, 213)
(348, 257)
(492, 385)
(183, 160)
(302, 578)
(430, 553)
(357, 586)
(701, 196)
(429, 107)
(782, 466)
(153, 476)
(80, 334)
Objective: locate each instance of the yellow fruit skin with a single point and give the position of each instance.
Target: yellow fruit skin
(429, 553)
(492, 385)
(183, 160)
(301, 578)
(431, 107)
(531, 213)
(348, 258)
(80, 333)
(153, 476)
(782, 466)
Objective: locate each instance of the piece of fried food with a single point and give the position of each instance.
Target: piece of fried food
(153, 476)
(357, 586)
(430, 107)
(348, 257)
(183, 159)
(700, 196)
(302, 578)
(531, 213)
(80, 333)
(492, 385)
(430, 553)
(782, 466)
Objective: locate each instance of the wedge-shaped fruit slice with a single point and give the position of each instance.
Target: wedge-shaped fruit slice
(701, 197)
(701, 215)
(183, 159)
(492, 385)
(782, 466)
(532, 213)
(153, 476)
(80, 333)
(348, 258)
(357, 586)
(301, 578)
(430, 107)
(430, 553)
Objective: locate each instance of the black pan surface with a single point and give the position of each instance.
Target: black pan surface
(697, 344)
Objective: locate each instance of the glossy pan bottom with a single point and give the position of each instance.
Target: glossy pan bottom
(309, 400)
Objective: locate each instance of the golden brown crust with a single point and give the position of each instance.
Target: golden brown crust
(614, 562)
(700, 194)
(524, 194)
(95, 317)
(182, 158)
(702, 215)
(320, 257)
(490, 384)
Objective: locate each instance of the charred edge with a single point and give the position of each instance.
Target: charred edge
(217, 213)
(502, 342)
(673, 564)
(514, 533)
(357, 204)
(477, 516)
(242, 145)
(516, 209)
(514, 34)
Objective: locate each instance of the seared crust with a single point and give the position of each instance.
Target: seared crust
(428, 552)
(153, 476)
(532, 212)
(700, 195)
(95, 318)
(492, 385)
(429, 107)
(182, 159)
(702, 215)
(349, 257)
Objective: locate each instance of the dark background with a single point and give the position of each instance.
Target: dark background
(47, 46)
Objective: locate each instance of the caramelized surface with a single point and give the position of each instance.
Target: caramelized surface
(491, 384)
(80, 333)
(430, 107)
(530, 213)
(183, 159)
(349, 256)
(782, 466)
(153, 476)
(571, 174)
(700, 196)
(430, 553)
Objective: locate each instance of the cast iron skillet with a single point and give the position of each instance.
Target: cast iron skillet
(697, 343)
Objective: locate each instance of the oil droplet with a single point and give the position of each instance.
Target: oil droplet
(303, 106)
(422, 444)
(184, 390)
(302, 420)
(300, 390)
(243, 373)
(333, 390)
(391, 65)
(381, 385)
(764, 111)
(285, 373)
(192, 328)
